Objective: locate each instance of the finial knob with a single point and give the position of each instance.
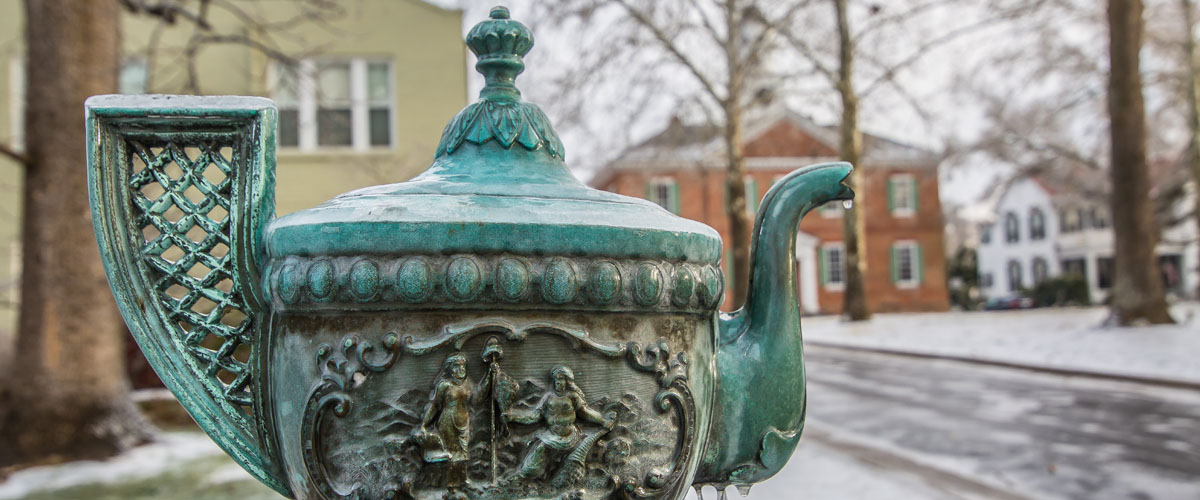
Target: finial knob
(500, 43)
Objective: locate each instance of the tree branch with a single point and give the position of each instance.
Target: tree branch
(669, 45)
(14, 155)
(168, 11)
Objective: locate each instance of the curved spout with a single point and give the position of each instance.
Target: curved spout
(759, 409)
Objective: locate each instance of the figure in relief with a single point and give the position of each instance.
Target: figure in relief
(561, 447)
(445, 446)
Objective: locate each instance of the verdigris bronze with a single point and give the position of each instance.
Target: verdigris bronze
(492, 329)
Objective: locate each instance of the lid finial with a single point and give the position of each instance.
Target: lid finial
(500, 43)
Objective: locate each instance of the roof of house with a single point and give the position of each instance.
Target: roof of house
(681, 144)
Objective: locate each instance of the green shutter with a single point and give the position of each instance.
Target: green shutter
(729, 270)
(916, 202)
(918, 264)
(674, 197)
(821, 260)
(751, 196)
(891, 201)
(895, 264)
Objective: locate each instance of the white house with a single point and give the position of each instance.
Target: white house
(1045, 226)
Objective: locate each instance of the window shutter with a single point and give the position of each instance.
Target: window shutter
(751, 195)
(729, 270)
(675, 197)
(891, 199)
(895, 264)
(918, 264)
(821, 264)
(916, 202)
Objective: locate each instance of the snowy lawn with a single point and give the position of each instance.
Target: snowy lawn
(1061, 338)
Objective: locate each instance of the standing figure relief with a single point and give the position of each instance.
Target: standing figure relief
(446, 444)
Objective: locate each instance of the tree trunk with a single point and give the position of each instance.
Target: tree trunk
(735, 178)
(854, 296)
(69, 393)
(1193, 100)
(1137, 293)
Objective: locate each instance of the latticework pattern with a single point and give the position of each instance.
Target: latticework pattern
(181, 200)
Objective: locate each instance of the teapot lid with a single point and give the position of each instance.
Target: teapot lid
(498, 184)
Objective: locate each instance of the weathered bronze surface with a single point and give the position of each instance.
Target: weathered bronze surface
(492, 329)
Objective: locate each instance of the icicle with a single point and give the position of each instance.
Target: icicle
(744, 489)
(699, 490)
(721, 494)
(847, 204)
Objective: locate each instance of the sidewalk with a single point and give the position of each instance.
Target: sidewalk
(1061, 339)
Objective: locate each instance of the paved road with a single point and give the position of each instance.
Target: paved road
(1034, 434)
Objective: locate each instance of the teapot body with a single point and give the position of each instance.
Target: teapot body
(498, 398)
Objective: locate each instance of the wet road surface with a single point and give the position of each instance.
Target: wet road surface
(1033, 434)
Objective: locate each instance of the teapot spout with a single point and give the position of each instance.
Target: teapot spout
(760, 401)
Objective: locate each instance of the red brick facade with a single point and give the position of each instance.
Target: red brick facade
(785, 146)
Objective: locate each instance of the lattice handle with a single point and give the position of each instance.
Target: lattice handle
(181, 188)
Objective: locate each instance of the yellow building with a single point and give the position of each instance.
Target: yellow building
(364, 90)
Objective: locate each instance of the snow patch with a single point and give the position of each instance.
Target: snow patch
(169, 451)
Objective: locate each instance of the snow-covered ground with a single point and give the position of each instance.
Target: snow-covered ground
(1060, 338)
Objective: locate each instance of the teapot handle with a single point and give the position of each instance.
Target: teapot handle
(181, 188)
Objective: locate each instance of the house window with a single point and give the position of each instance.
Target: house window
(1099, 218)
(906, 264)
(1012, 228)
(985, 234)
(1105, 272)
(1070, 220)
(986, 280)
(1014, 276)
(751, 196)
(664, 192)
(902, 195)
(1040, 270)
(833, 265)
(1037, 224)
(334, 103)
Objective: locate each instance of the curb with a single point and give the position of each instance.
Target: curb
(1177, 384)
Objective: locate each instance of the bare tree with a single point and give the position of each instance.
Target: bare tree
(1137, 289)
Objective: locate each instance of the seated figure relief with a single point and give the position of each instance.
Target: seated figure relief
(561, 447)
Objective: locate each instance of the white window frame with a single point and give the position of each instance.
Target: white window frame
(307, 103)
(913, 281)
(16, 103)
(672, 188)
(826, 269)
(897, 183)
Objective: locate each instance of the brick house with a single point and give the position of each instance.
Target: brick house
(682, 169)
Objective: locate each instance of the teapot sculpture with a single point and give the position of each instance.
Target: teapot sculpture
(491, 329)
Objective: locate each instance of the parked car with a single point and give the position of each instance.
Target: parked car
(1005, 303)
